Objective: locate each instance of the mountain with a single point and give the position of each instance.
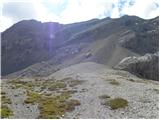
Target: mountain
(32, 48)
(26, 43)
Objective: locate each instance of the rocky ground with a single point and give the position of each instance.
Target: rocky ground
(85, 90)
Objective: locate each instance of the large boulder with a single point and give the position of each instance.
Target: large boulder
(146, 66)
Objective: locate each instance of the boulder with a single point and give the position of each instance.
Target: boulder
(146, 66)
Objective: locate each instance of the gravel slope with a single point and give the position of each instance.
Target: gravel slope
(142, 98)
(142, 95)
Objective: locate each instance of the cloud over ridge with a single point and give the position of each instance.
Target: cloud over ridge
(70, 11)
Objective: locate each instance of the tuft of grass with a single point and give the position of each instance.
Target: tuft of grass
(104, 96)
(54, 107)
(117, 103)
(6, 112)
(114, 82)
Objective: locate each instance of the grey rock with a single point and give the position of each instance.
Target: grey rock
(145, 66)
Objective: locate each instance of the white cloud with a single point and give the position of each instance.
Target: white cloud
(5, 22)
(81, 10)
(115, 13)
(43, 14)
(143, 8)
(75, 10)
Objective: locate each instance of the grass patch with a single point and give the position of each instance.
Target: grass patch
(54, 106)
(17, 83)
(32, 97)
(51, 105)
(117, 103)
(104, 96)
(6, 112)
(114, 82)
(56, 86)
(5, 100)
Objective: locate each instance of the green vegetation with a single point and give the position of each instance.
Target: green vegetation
(17, 83)
(114, 82)
(117, 103)
(6, 112)
(4, 98)
(104, 96)
(54, 106)
(56, 86)
(32, 97)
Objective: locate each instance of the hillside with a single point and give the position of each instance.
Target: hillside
(88, 88)
(43, 48)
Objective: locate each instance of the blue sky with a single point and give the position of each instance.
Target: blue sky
(70, 11)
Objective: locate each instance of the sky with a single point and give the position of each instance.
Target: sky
(70, 11)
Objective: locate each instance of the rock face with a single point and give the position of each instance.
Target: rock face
(145, 38)
(145, 66)
(26, 43)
